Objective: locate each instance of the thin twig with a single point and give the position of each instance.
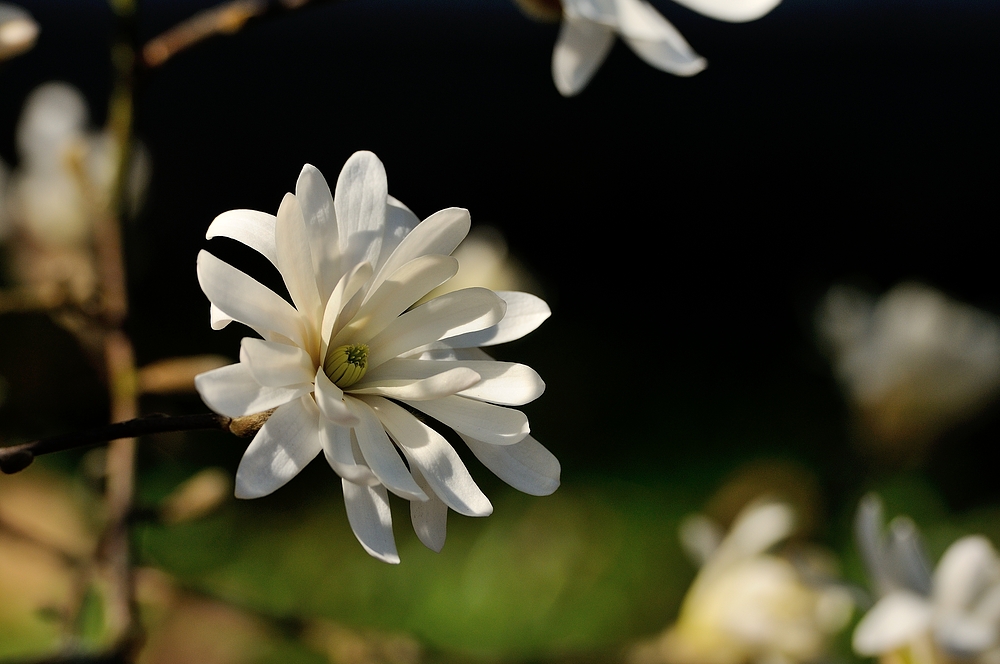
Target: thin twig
(227, 18)
(18, 457)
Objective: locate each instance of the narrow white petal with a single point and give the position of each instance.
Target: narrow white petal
(527, 465)
(429, 517)
(316, 201)
(219, 318)
(245, 299)
(276, 365)
(338, 450)
(439, 385)
(439, 233)
(438, 462)
(330, 400)
(360, 204)
(450, 314)
(252, 228)
(757, 528)
(965, 569)
(525, 312)
(295, 260)
(232, 391)
(284, 445)
(895, 620)
(399, 221)
(368, 514)
(381, 455)
(580, 49)
(395, 295)
(655, 40)
(345, 289)
(735, 11)
(482, 421)
(504, 383)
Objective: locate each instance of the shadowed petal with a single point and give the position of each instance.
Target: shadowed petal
(339, 452)
(439, 385)
(330, 400)
(655, 40)
(430, 517)
(734, 11)
(504, 383)
(440, 465)
(525, 312)
(527, 465)
(295, 260)
(483, 421)
(360, 204)
(368, 514)
(232, 391)
(284, 445)
(380, 454)
(316, 202)
(580, 49)
(276, 365)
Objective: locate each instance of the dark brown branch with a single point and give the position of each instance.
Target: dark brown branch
(19, 457)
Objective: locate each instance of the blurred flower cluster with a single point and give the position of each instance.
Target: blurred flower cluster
(18, 31)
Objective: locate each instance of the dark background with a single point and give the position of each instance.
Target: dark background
(682, 229)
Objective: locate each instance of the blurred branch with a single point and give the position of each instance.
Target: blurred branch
(226, 19)
(18, 457)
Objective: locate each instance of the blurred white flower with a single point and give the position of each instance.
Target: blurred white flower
(748, 605)
(347, 365)
(18, 31)
(913, 362)
(954, 613)
(589, 28)
(65, 177)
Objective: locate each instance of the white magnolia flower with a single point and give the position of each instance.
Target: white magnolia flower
(748, 605)
(347, 365)
(589, 28)
(913, 362)
(955, 612)
(18, 31)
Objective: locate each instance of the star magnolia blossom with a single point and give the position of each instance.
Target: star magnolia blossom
(589, 28)
(747, 605)
(954, 612)
(345, 366)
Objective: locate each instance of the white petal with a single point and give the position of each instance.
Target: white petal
(338, 450)
(295, 260)
(439, 233)
(655, 40)
(450, 314)
(345, 289)
(284, 445)
(525, 312)
(395, 295)
(735, 11)
(316, 201)
(438, 462)
(895, 620)
(276, 365)
(527, 465)
(580, 49)
(246, 300)
(439, 385)
(504, 383)
(381, 455)
(219, 318)
(429, 517)
(368, 514)
(757, 528)
(360, 204)
(232, 391)
(330, 400)
(965, 569)
(399, 221)
(482, 421)
(252, 228)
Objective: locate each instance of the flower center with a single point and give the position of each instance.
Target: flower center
(346, 365)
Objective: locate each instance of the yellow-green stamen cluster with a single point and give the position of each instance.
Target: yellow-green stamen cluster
(346, 365)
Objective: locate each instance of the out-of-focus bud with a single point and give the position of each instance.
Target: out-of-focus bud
(484, 262)
(197, 497)
(912, 363)
(18, 31)
(748, 605)
(549, 11)
(176, 374)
